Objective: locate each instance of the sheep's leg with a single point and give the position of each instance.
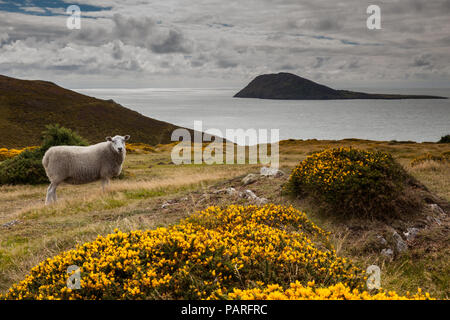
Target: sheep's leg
(105, 183)
(49, 197)
(50, 194)
(54, 192)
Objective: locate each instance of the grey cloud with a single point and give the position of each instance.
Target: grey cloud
(225, 63)
(144, 32)
(117, 51)
(131, 30)
(3, 38)
(173, 42)
(320, 61)
(287, 67)
(424, 60)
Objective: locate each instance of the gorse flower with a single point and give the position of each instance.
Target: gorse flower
(340, 291)
(10, 153)
(219, 253)
(139, 148)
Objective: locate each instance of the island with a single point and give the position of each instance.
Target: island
(288, 86)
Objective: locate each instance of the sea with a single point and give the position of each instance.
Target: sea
(401, 120)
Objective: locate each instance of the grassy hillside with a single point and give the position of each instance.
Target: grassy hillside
(156, 193)
(27, 106)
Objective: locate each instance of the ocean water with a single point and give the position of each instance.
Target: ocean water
(401, 120)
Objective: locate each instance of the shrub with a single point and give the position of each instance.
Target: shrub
(444, 157)
(204, 256)
(139, 148)
(297, 291)
(445, 139)
(11, 153)
(26, 167)
(218, 253)
(54, 135)
(350, 181)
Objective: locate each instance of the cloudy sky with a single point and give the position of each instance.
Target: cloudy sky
(207, 43)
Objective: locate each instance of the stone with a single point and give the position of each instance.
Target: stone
(400, 244)
(271, 172)
(382, 240)
(437, 209)
(249, 194)
(261, 201)
(167, 203)
(432, 220)
(388, 253)
(230, 191)
(249, 179)
(10, 223)
(411, 233)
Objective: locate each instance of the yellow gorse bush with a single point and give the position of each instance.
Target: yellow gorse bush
(340, 291)
(444, 157)
(218, 253)
(10, 153)
(139, 148)
(350, 180)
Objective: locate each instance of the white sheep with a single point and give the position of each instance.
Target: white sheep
(79, 165)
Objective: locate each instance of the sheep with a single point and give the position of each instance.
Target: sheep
(80, 165)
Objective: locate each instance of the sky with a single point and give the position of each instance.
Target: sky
(217, 43)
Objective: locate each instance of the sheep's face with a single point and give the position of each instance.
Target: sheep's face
(118, 143)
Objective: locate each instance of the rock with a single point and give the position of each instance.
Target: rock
(249, 194)
(261, 201)
(388, 253)
(271, 172)
(249, 179)
(411, 233)
(399, 242)
(10, 223)
(382, 240)
(230, 191)
(435, 208)
(432, 220)
(167, 203)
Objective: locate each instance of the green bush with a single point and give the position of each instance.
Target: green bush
(445, 139)
(350, 181)
(26, 168)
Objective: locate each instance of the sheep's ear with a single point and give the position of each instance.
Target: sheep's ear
(108, 139)
(127, 137)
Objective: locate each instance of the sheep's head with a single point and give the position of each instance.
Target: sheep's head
(118, 143)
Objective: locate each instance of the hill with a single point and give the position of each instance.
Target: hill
(26, 106)
(288, 86)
